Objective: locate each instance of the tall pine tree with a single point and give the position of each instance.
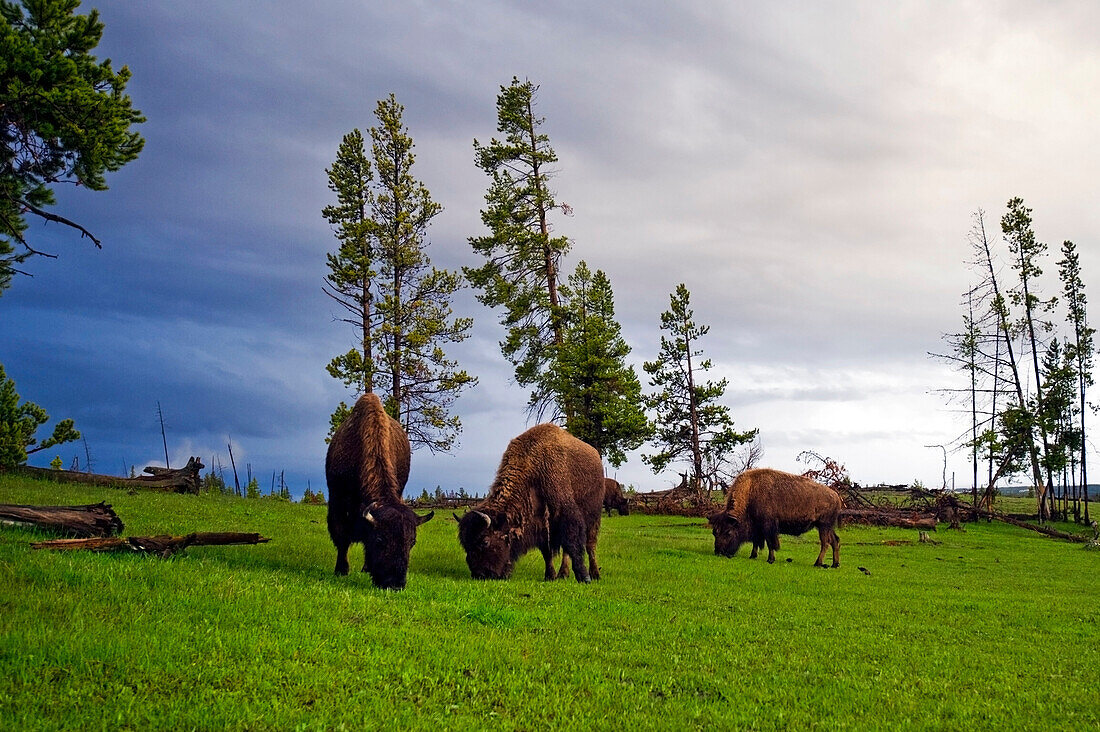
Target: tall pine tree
(1081, 350)
(382, 276)
(1026, 252)
(691, 426)
(522, 258)
(351, 267)
(413, 304)
(598, 390)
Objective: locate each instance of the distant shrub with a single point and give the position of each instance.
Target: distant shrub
(311, 497)
(214, 484)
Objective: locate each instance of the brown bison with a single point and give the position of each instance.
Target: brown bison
(548, 493)
(613, 497)
(763, 503)
(366, 468)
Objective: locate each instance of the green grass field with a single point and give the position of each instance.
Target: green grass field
(992, 628)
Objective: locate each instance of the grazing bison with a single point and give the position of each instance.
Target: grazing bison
(548, 493)
(763, 503)
(613, 497)
(366, 468)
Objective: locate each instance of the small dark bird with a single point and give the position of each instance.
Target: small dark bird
(864, 570)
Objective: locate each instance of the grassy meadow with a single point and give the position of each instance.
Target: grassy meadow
(993, 627)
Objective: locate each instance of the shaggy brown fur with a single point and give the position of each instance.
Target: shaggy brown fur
(613, 497)
(763, 503)
(366, 468)
(548, 493)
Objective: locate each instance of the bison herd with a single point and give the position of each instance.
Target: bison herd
(549, 493)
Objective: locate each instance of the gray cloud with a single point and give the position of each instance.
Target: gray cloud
(808, 171)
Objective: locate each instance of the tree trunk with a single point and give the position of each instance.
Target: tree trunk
(895, 518)
(163, 545)
(96, 519)
(169, 480)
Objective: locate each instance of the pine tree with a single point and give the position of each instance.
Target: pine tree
(413, 305)
(382, 276)
(63, 117)
(1058, 409)
(18, 423)
(691, 426)
(1027, 251)
(522, 258)
(351, 267)
(1081, 351)
(597, 389)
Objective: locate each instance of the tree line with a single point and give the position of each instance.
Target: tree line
(1028, 358)
(561, 335)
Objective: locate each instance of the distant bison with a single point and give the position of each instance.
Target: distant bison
(367, 467)
(548, 493)
(763, 503)
(613, 497)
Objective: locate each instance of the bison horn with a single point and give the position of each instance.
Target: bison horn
(425, 519)
(485, 517)
(456, 516)
(368, 515)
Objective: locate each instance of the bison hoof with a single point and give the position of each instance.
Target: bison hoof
(771, 560)
(836, 564)
(341, 571)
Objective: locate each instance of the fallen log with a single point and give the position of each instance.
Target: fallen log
(879, 517)
(162, 545)
(1078, 538)
(175, 480)
(97, 519)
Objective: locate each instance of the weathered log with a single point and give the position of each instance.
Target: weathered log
(97, 519)
(176, 480)
(1078, 538)
(880, 517)
(162, 545)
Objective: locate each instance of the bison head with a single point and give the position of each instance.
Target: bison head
(488, 542)
(623, 506)
(388, 538)
(729, 533)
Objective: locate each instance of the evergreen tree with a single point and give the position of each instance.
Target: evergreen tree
(522, 258)
(351, 267)
(1027, 251)
(19, 422)
(1081, 350)
(691, 426)
(598, 390)
(382, 276)
(414, 303)
(63, 117)
(1058, 409)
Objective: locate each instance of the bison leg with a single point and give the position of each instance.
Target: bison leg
(548, 558)
(823, 538)
(835, 541)
(755, 547)
(572, 533)
(342, 558)
(564, 571)
(593, 568)
(773, 545)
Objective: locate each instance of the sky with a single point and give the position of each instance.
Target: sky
(808, 170)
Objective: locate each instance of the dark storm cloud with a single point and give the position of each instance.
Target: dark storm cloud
(807, 170)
